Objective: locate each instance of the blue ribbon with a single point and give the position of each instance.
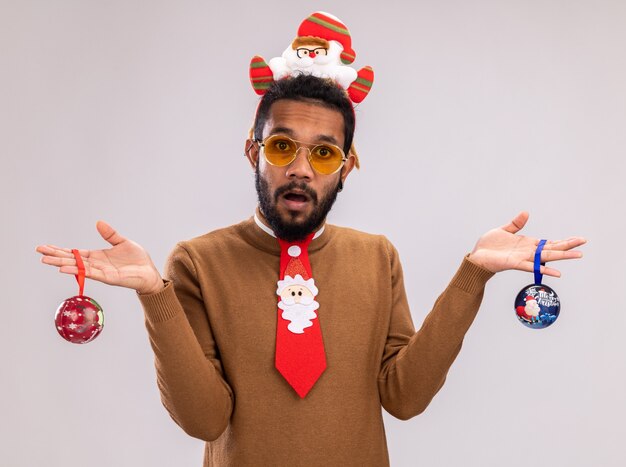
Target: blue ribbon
(538, 263)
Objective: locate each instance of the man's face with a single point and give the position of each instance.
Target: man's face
(295, 199)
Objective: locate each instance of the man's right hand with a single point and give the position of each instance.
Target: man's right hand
(126, 264)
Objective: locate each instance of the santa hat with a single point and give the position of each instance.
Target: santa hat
(329, 27)
(529, 297)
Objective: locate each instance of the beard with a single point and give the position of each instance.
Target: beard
(298, 315)
(291, 230)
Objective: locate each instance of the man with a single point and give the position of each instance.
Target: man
(213, 322)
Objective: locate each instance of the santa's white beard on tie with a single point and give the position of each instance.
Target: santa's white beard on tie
(299, 315)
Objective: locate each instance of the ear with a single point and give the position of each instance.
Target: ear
(347, 167)
(251, 151)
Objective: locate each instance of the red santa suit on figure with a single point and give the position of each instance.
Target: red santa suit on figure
(529, 312)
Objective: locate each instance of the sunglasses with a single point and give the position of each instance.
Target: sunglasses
(281, 151)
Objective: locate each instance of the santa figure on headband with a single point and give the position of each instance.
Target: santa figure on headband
(323, 48)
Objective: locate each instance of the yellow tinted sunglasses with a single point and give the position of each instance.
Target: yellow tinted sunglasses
(281, 151)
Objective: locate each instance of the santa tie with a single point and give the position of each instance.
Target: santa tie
(300, 356)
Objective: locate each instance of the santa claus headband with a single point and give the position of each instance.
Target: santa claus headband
(322, 48)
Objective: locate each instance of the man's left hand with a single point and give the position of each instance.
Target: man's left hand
(502, 249)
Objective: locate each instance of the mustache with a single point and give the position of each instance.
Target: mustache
(293, 185)
(291, 302)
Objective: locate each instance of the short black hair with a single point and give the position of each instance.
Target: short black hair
(304, 87)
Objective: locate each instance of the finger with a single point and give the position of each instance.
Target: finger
(108, 233)
(57, 261)
(64, 261)
(90, 272)
(529, 266)
(567, 244)
(517, 224)
(71, 270)
(557, 255)
(52, 250)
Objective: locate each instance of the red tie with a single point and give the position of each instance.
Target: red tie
(300, 356)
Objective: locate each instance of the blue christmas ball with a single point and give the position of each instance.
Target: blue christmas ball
(537, 306)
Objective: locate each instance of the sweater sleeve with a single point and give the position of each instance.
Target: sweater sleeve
(415, 364)
(189, 372)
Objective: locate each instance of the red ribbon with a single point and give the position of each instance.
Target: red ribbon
(80, 277)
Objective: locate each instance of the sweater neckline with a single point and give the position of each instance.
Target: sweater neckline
(260, 238)
(270, 232)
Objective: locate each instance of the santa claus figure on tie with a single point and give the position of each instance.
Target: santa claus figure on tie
(297, 300)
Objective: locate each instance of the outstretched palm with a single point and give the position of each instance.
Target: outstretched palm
(126, 264)
(501, 249)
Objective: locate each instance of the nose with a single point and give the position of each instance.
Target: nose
(312, 54)
(300, 168)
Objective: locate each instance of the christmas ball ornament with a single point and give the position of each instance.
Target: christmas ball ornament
(537, 306)
(79, 319)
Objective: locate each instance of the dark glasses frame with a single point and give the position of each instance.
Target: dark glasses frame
(305, 51)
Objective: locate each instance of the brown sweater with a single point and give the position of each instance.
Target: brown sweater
(213, 328)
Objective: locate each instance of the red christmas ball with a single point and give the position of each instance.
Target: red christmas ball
(79, 319)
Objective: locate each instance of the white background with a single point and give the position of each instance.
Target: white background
(135, 112)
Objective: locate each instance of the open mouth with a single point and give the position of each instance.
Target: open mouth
(297, 197)
(296, 200)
